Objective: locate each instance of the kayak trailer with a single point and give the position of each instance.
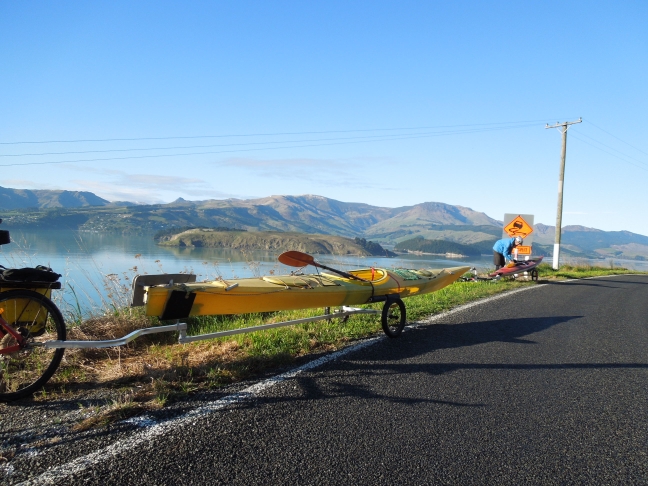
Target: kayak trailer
(175, 297)
(393, 317)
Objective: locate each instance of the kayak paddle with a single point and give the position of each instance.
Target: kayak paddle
(299, 259)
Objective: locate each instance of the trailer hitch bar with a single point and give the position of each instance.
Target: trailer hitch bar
(181, 328)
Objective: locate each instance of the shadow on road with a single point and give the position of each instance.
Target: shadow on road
(394, 357)
(397, 359)
(440, 336)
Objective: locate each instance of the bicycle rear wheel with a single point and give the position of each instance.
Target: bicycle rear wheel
(37, 319)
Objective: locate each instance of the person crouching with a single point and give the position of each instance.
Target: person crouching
(502, 250)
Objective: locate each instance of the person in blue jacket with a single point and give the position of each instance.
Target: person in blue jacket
(502, 250)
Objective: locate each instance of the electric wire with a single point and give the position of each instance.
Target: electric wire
(364, 137)
(614, 136)
(385, 139)
(611, 148)
(609, 153)
(263, 134)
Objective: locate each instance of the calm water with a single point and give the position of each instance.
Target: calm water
(98, 268)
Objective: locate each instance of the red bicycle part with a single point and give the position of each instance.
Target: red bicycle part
(15, 334)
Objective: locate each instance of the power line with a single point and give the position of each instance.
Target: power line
(614, 136)
(365, 137)
(385, 139)
(611, 148)
(609, 153)
(263, 134)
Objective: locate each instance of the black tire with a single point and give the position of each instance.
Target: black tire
(38, 319)
(534, 275)
(393, 317)
(327, 310)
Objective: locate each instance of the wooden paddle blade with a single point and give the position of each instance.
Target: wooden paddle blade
(296, 259)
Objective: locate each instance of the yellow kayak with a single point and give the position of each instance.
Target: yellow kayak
(289, 292)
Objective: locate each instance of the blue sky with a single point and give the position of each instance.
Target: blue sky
(386, 103)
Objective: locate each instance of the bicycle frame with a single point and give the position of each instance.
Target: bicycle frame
(10, 330)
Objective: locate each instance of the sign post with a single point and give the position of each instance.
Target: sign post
(519, 225)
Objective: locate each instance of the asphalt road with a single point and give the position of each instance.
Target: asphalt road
(544, 386)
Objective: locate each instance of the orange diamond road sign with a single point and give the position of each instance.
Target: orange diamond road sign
(518, 227)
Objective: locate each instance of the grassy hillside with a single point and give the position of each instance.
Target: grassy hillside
(463, 234)
(444, 246)
(25, 198)
(591, 242)
(425, 217)
(305, 214)
(273, 241)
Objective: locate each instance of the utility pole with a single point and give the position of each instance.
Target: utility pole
(561, 180)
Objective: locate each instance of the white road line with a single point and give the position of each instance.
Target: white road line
(58, 474)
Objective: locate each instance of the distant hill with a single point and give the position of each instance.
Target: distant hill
(422, 217)
(307, 214)
(273, 241)
(595, 242)
(25, 198)
(441, 247)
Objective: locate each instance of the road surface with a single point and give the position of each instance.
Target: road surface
(544, 386)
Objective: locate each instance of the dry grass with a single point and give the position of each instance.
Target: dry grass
(109, 327)
(126, 406)
(161, 370)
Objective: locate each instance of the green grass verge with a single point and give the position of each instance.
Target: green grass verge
(581, 271)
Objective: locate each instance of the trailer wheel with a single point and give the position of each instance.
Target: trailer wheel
(393, 317)
(534, 275)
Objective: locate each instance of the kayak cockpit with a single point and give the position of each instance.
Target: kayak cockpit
(301, 281)
(366, 275)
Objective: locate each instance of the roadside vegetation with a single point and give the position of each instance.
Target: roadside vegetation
(569, 271)
(153, 371)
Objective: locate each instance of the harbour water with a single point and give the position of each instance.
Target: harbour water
(97, 268)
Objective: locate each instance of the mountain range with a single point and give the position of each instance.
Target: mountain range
(41, 209)
(25, 198)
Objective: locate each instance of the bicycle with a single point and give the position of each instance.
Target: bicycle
(28, 318)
